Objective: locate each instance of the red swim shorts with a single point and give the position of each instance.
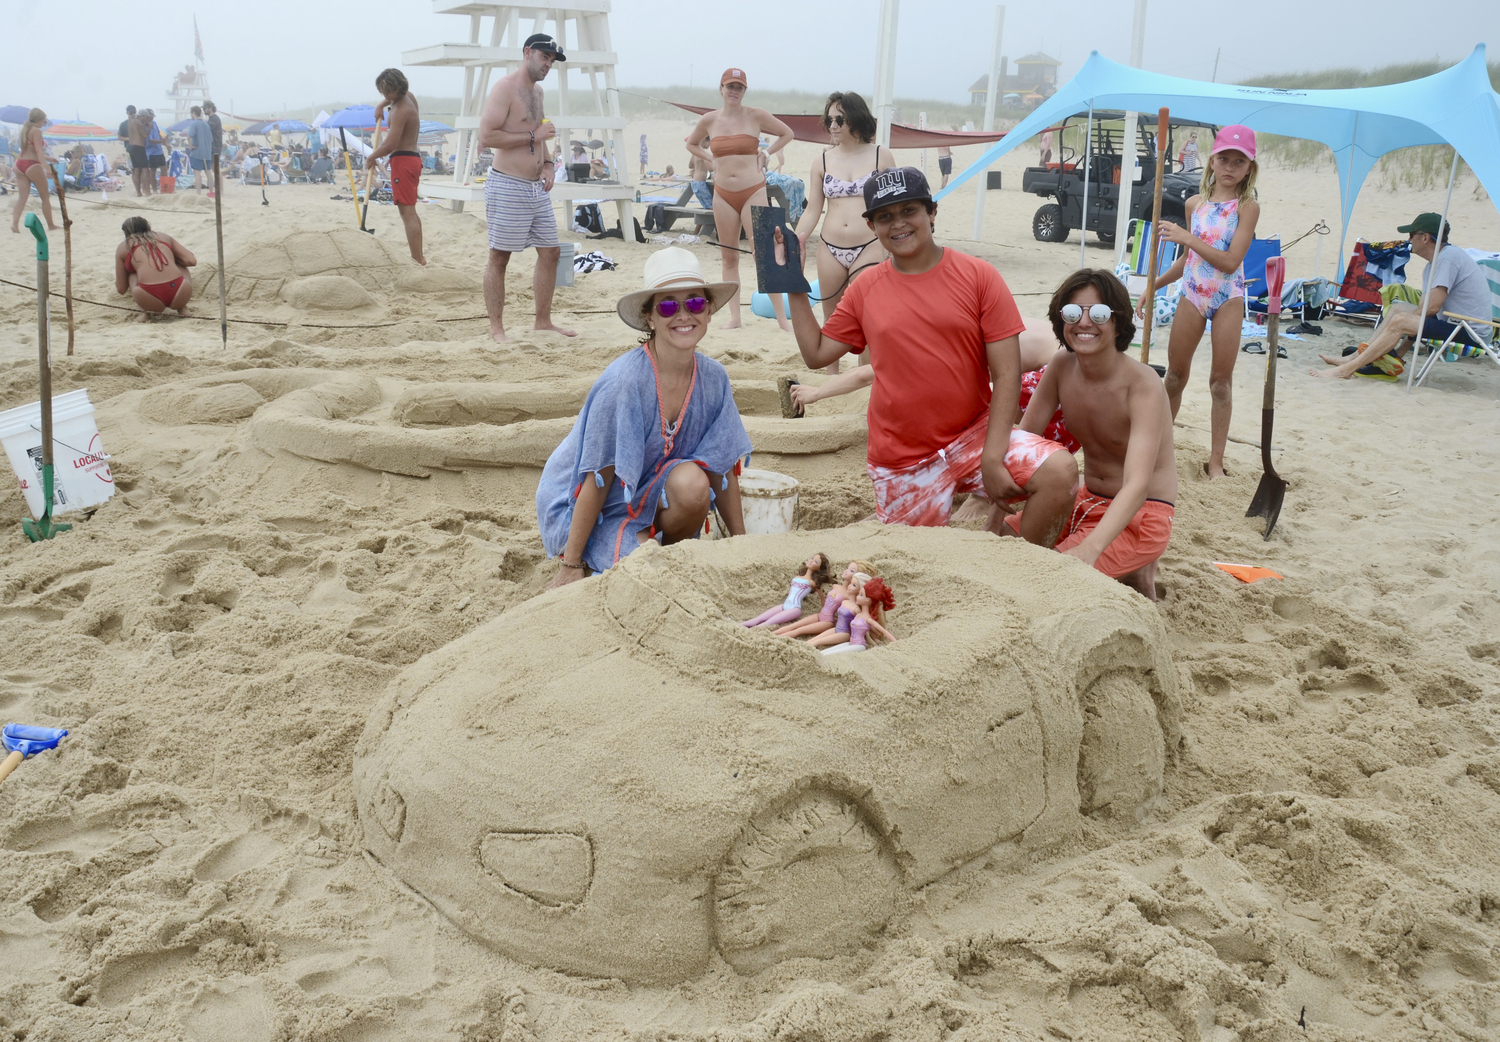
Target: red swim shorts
(406, 172)
(1143, 540)
(922, 494)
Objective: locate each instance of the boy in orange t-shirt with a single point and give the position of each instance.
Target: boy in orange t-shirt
(941, 328)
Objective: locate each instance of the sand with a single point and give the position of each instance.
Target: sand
(304, 516)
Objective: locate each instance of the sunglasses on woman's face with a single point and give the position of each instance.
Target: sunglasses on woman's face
(694, 305)
(1098, 314)
(833, 121)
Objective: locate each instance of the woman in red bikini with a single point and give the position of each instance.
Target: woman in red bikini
(733, 134)
(31, 169)
(153, 269)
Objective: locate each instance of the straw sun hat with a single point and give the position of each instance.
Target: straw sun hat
(667, 270)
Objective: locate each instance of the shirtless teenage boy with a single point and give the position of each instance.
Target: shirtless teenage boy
(1117, 408)
(403, 124)
(517, 206)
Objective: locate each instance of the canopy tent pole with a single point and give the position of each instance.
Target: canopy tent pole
(885, 71)
(1427, 275)
(990, 96)
(1123, 197)
(1088, 154)
(1345, 215)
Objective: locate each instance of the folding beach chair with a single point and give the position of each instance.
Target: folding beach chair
(1254, 266)
(1471, 326)
(1138, 249)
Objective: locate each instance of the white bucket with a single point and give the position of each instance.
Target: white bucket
(80, 465)
(565, 254)
(769, 501)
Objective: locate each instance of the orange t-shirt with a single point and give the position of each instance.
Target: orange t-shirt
(926, 335)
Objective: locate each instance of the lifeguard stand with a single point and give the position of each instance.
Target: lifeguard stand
(582, 30)
(189, 88)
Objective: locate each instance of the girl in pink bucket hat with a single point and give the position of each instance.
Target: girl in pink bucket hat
(1221, 226)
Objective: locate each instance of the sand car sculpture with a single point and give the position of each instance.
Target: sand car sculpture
(616, 779)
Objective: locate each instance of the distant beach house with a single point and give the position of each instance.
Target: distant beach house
(1034, 81)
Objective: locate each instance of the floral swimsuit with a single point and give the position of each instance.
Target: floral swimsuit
(1203, 285)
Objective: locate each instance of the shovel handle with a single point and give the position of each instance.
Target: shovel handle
(34, 226)
(11, 763)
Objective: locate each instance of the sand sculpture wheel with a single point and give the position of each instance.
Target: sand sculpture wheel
(615, 779)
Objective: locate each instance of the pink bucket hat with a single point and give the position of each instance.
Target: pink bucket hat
(1236, 136)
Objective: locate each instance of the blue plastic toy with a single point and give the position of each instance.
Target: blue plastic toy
(760, 303)
(23, 740)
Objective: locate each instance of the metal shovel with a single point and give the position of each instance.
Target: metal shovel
(1272, 488)
(23, 740)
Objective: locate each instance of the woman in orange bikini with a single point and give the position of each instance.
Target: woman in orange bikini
(153, 269)
(31, 169)
(837, 181)
(733, 134)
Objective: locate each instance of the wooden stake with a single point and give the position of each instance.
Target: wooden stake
(219, 232)
(62, 205)
(1155, 244)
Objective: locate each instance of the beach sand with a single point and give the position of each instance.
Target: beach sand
(302, 516)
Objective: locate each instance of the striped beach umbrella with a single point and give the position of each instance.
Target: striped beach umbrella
(76, 130)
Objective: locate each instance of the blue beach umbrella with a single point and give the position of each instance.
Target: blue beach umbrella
(288, 126)
(16, 114)
(355, 117)
(432, 126)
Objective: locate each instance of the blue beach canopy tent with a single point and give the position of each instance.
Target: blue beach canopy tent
(1456, 107)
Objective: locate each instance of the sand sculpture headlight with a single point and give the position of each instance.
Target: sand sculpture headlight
(616, 779)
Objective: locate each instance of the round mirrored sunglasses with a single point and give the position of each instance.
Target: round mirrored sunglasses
(694, 305)
(1098, 314)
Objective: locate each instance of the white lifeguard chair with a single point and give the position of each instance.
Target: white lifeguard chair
(582, 30)
(189, 88)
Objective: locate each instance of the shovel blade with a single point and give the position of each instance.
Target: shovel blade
(1267, 501)
(45, 528)
(28, 740)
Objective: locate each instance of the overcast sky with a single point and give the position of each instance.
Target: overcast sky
(87, 59)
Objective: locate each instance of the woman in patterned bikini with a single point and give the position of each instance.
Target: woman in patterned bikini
(848, 245)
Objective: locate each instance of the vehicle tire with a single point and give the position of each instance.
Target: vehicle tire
(1048, 224)
(811, 879)
(1106, 235)
(1122, 756)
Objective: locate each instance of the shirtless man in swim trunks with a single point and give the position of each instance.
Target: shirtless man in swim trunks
(517, 206)
(1118, 410)
(403, 124)
(137, 129)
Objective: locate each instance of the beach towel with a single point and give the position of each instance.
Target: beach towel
(1372, 266)
(621, 426)
(584, 263)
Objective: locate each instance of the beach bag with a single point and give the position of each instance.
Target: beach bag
(588, 219)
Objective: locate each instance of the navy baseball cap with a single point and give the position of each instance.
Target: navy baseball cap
(547, 45)
(895, 186)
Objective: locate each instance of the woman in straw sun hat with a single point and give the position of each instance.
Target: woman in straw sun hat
(658, 443)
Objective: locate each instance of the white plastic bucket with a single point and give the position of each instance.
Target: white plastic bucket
(565, 254)
(81, 475)
(769, 501)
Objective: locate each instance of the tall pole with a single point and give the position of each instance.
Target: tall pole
(991, 96)
(1427, 278)
(885, 70)
(1343, 200)
(1127, 155)
(1088, 155)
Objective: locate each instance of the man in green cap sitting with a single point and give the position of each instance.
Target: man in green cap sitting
(1453, 283)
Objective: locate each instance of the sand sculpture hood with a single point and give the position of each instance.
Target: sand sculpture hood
(615, 779)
